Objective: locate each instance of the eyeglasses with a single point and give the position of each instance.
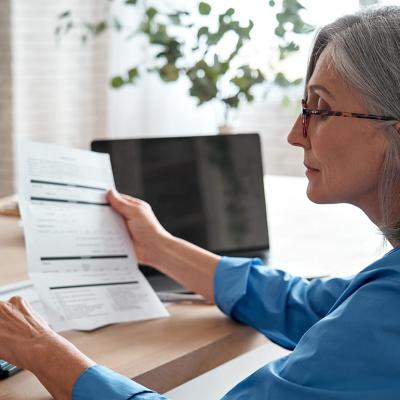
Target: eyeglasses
(307, 112)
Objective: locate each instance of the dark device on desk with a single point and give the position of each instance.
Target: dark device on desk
(7, 369)
(205, 189)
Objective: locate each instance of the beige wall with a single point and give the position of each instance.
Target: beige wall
(6, 128)
(49, 91)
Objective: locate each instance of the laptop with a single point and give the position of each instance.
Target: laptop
(208, 190)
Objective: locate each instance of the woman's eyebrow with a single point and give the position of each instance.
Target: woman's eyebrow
(313, 88)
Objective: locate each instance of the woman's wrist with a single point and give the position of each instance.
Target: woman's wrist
(162, 248)
(57, 363)
(190, 265)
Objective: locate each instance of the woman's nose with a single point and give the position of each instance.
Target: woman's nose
(295, 136)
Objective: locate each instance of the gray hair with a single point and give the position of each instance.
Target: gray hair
(365, 51)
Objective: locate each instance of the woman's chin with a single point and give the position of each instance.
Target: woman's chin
(317, 196)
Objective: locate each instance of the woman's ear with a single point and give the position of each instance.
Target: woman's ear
(397, 127)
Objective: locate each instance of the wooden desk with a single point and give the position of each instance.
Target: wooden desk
(160, 354)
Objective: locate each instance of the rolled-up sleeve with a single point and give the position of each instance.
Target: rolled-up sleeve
(101, 383)
(230, 281)
(281, 306)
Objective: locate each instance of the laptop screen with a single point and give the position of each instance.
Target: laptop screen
(205, 189)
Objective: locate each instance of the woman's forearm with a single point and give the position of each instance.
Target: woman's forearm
(188, 264)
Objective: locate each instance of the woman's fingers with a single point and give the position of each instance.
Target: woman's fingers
(17, 301)
(19, 304)
(133, 200)
(26, 309)
(143, 226)
(126, 205)
(122, 205)
(28, 342)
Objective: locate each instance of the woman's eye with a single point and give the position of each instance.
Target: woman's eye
(322, 104)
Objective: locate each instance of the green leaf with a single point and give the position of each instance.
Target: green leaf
(282, 17)
(203, 78)
(65, 14)
(301, 27)
(285, 50)
(246, 78)
(223, 67)
(160, 35)
(175, 18)
(291, 6)
(232, 101)
(297, 81)
(117, 82)
(290, 14)
(151, 12)
(133, 73)
(229, 12)
(169, 73)
(282, 81)
(100, 27)
(204, 8)
(203, 31)
(214, 38)
(280, 31)
(249, 97)
(243, 83)
(204, 89)
(272, 3)
(131, 2)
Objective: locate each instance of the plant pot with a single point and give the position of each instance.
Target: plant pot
(225, 129)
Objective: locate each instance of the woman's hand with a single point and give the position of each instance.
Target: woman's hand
(21, 330)
(148, 235)
(190, 265)
(28, 342)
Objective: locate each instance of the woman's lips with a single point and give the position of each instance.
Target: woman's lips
(310, 168)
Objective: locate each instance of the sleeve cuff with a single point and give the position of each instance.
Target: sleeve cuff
(230, 281)
(99, 382)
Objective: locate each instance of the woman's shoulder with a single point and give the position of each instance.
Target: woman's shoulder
(379, 281)
(387, 267)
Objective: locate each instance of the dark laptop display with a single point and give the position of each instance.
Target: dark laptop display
(205, 189)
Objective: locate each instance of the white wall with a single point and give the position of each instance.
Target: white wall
(6, 128)
(59, 87)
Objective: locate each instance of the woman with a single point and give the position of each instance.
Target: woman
(344, 332)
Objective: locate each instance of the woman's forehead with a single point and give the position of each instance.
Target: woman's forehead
(324, 77)
(326, 80)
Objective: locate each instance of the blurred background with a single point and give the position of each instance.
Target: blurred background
(75, 70)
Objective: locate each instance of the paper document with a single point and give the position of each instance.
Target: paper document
(26, 290)
(80, 255)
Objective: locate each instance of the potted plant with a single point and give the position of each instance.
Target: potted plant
(212, 77)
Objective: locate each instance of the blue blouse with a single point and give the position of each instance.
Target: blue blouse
(344, 333)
